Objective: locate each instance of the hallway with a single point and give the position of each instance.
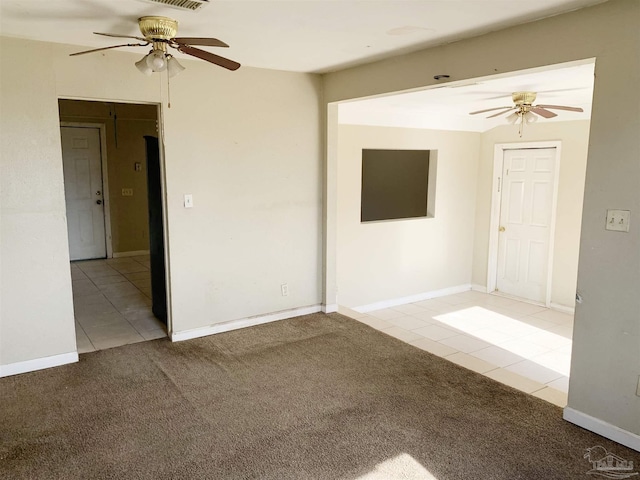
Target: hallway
(112, 303)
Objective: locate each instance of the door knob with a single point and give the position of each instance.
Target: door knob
(99, 202)
(502, 229)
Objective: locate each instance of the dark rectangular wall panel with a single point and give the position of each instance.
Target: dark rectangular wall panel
(394, 184)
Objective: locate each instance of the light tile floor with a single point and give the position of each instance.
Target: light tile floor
(520, 344)
(112, 303)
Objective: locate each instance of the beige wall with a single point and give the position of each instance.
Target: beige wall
(387, 260)
(246, 144)
(36, 310)
(606, 347)
(125, 128)
(574, 138)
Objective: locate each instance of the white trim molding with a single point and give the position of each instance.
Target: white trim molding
(38, 364)
(243, 323)
(478, 288)
(603, 428)
(394, 302)
(562, 308)
(330, 308)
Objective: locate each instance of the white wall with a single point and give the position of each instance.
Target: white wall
(246, 144)
(606, 346)
(387, 260)
(574, 137)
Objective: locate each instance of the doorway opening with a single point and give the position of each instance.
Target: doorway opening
(425, 281)
(113, 180)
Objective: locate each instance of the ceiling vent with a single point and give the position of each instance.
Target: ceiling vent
(191, 5)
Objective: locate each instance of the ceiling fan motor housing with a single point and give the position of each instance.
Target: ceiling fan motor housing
(158, 28)
(523, 98)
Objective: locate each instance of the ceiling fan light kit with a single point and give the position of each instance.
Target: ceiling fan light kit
(143, 67)
(173, 66)
(156, 61)
(524, 111)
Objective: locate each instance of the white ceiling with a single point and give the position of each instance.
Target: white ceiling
(447, 107)
(296, 35)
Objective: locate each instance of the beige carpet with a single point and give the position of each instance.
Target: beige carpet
(316, 397)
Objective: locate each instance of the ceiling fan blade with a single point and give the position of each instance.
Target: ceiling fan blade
(542, 112)
(489, 110)
(209, 57)
(107, 48)
(500, 113)
(562, 107)
(120, 36)
(208, 42)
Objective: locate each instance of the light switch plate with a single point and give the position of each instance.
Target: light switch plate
(188, 201)
(618, 220)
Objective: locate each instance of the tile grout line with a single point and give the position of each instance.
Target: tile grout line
(85, 334)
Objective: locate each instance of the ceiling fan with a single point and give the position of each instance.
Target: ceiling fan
(525, 111)
(160, 32)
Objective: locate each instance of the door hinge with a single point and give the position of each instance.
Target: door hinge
(499, 184)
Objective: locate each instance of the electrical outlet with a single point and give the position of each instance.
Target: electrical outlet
(127, 192)
(618, 220)
(285, 289)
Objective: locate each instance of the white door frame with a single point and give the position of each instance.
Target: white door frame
(165, 216)
(105, 177)
(496, 194)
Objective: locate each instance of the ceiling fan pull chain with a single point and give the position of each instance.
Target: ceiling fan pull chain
(521, 126)
(168, 92)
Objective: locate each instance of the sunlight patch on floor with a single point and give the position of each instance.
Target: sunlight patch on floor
(491, 326)
(401, 466)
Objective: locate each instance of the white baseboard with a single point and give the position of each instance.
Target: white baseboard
(562, 308)
(130, 254)
(243, 323)
(478, 288)
(394, 302)
(603, 428)
(38, 364)
(330, 308)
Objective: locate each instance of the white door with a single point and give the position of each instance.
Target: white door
(82, 167)
(528, 177)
